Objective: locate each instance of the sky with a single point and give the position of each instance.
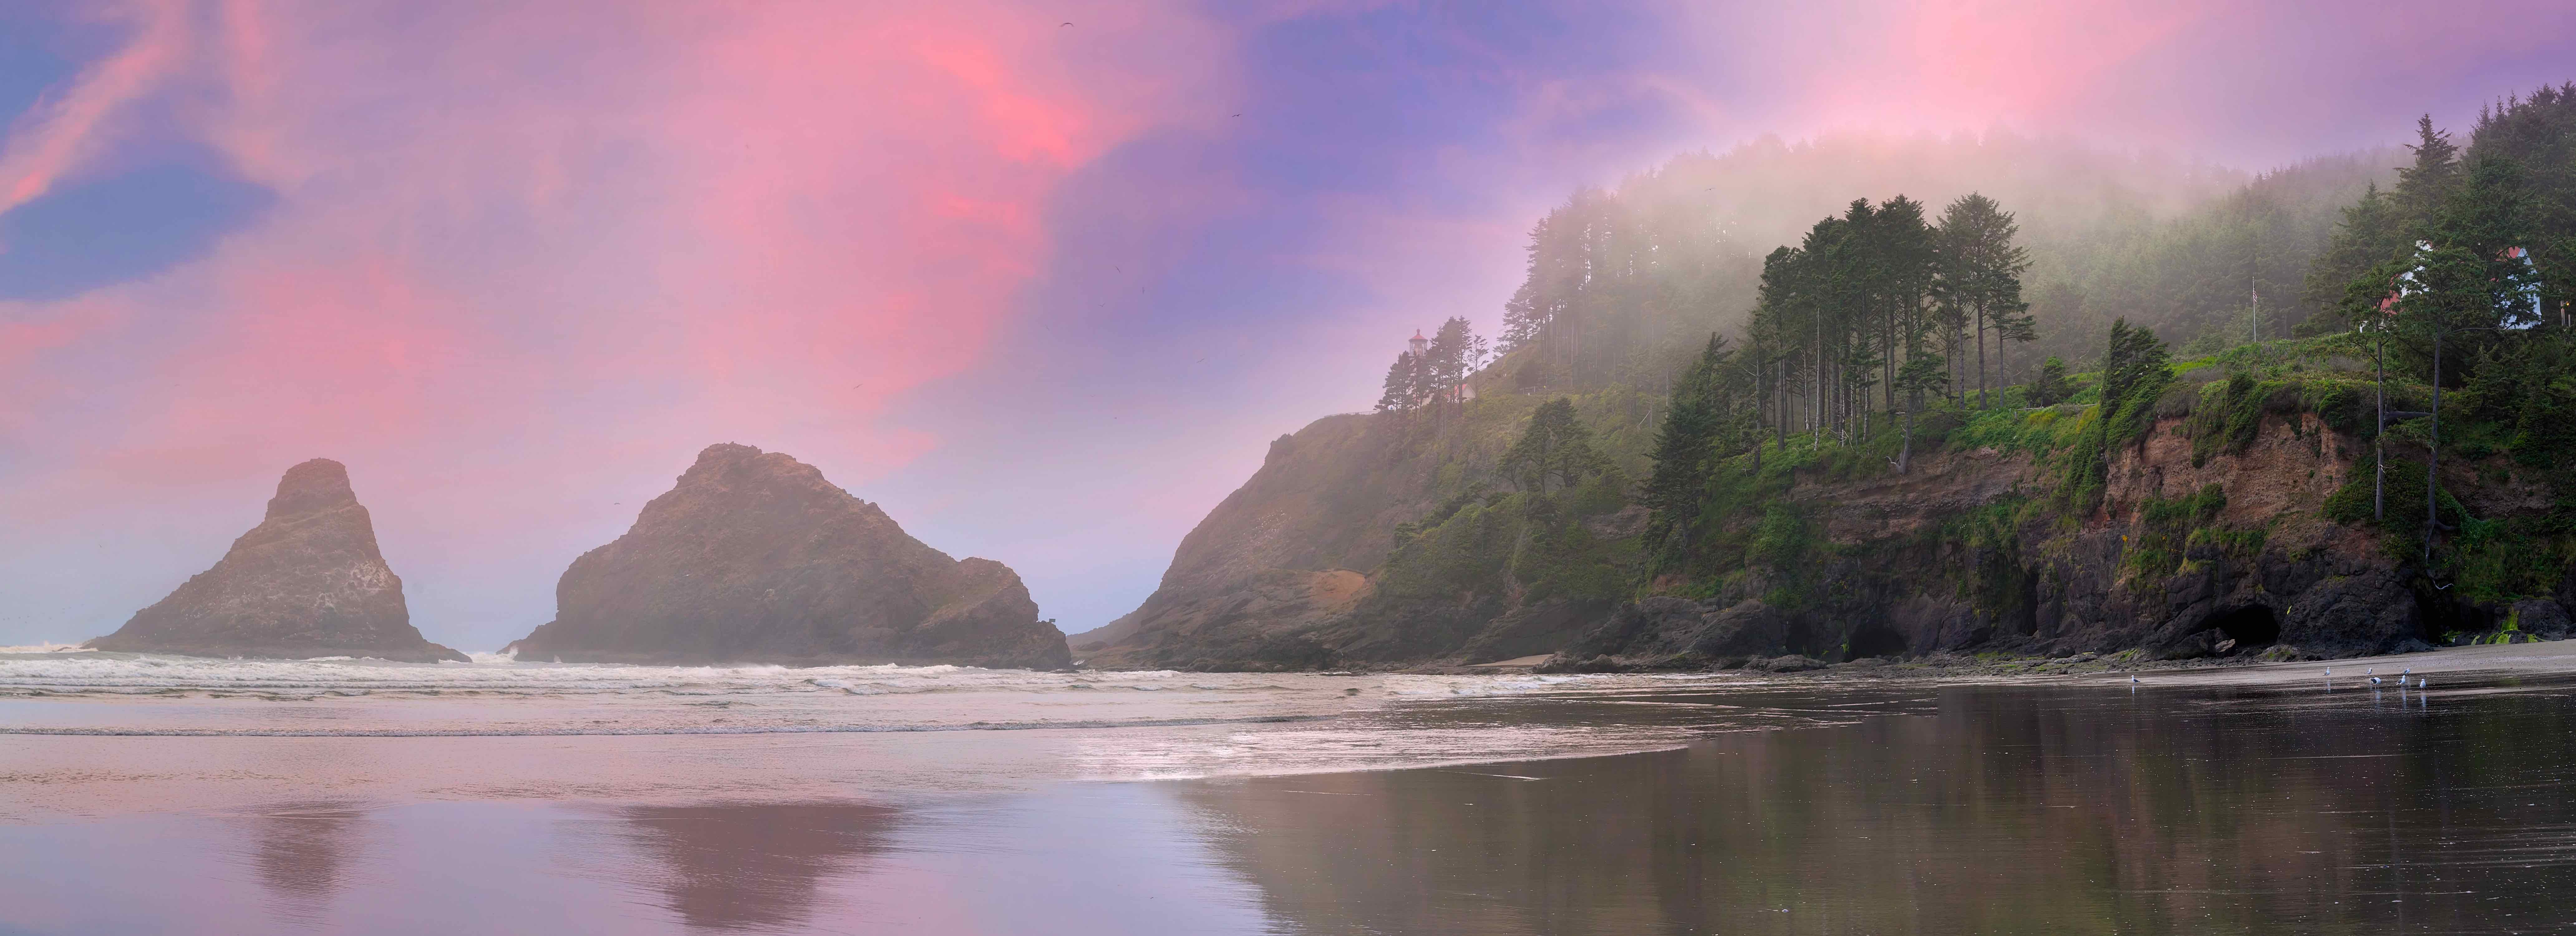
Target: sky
(1043, 279)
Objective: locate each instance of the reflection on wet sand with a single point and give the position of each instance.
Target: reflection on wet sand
(2009, 811)
(1965, 809)
(305, 854)
(753, 866)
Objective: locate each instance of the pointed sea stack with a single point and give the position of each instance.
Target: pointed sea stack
(755, 558)
(306, 582)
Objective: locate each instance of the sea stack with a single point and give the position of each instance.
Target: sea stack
(306, 582)
(755, 558)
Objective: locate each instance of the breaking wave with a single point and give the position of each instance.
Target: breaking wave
(577, 731)
(1086, 724)
(54, 670)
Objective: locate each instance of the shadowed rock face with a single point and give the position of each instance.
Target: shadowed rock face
(755, 558)
(307, 582)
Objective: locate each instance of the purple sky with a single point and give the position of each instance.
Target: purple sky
(1035, 287)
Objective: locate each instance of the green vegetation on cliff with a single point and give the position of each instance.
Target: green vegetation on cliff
(1878, 459)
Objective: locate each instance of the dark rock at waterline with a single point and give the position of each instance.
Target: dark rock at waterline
(1668, 632)
(1790, 663)
(307, 581)
(2355, 615)
(1533, 629)
(755, 558)
(2542, 618)
(1567, 663)
(1749, 628)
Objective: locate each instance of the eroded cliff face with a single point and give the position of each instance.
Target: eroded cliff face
(2231, 555)
(1277, 558)
(308, 581)
(755, 558)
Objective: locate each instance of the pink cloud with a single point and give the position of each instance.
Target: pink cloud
(520, 248)
(49, 142)
(792, 206)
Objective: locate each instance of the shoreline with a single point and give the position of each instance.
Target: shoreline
(2543, 658)
(2556, 657)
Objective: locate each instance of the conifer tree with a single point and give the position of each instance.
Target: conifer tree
(1403, 384)
(2474, 281)
(2050, 388)
(1685, 445)
(1555, 448)
(1455, 352)
(2422, 188)
(2370, 232)
(1981, 271)
(2132, 358)
(1923, 373)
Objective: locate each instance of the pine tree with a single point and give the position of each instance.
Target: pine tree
(1403, 383)
(1981, 271)
(1923, 373)
(1455, 352)
(1556, 447)
(2474, 283)
(2371, 232)
(2424, 187)
(1684, 447)
(2132, 358)
(2050, 388)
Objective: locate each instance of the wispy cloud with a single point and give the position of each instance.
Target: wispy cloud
(54, 140)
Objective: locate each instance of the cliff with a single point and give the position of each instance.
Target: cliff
(1293, 569)
(306, 582)
(1278, 554)
(754, 558)
(2221, 517)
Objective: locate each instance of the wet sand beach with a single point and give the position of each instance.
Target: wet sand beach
(2229, 799)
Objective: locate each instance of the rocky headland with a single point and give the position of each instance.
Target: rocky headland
(2235, 526)
(306, 582)
(755, 558)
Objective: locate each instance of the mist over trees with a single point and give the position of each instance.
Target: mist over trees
(1876, 309)
(1694, 350)
(1625, 283)
(1438, 374)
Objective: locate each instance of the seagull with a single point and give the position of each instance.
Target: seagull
(2133, 679)
(2374, 680)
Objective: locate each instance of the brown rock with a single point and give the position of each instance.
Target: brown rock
(306, 582)
(755, 558)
